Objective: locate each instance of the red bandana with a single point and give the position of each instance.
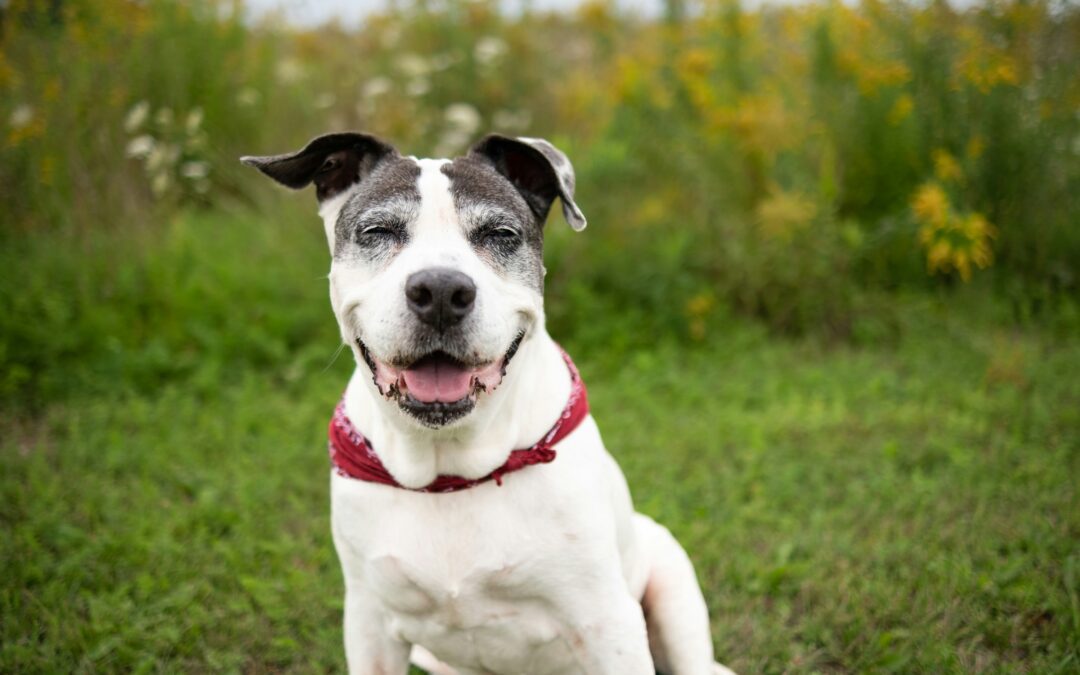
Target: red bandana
(353, 457)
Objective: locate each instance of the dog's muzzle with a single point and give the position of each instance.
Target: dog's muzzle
(438, 380)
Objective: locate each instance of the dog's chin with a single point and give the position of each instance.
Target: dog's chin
(437, 389)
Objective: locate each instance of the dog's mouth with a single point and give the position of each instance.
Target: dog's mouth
(438, 388)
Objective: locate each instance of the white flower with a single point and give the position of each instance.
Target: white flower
(488, 50)
(136, 117)
(160, 184)
(162, 156)
(194, 170)
(194, 121)
(140, 146)
(462, 117)
(290, 70)
(325, 100)
(413, 65)
(22, 115)
(376, 86)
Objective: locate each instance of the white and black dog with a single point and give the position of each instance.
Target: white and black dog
(437, 283)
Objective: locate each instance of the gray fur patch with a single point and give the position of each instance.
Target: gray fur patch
(496, 219)
(387, 200)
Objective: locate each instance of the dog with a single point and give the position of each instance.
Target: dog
(481, 525)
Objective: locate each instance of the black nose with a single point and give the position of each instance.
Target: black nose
(439, 296)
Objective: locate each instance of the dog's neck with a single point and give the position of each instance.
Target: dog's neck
(517, 414)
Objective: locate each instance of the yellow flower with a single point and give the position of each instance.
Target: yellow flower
(946, 168)
(783, 213)
(953, 242)
(931, 204)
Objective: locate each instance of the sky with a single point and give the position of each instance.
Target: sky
(352, 12)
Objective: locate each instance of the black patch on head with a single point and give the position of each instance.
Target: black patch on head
(374, 221)
(498, 221)
(333, 162)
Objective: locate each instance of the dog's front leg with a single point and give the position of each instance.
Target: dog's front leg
(610, 638)
(369, 649)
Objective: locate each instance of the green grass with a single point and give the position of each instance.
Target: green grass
(909, 506)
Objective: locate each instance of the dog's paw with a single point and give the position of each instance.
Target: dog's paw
(422, 658)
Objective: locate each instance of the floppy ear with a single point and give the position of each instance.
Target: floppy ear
(333, 161)
(538, 170)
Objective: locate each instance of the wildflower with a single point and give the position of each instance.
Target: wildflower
(194, 170)
(136, 117)
(159, 185)
(953, 241)
(462, 116)
(930, 204)
(290, 71)
(162, 156)
(489, 50)
(325, 100)
(140, 146)
(782, 213)
(193, 121)
(375, 87)
(412, 65)
(461, 120)
(21, 116)
(946, 168)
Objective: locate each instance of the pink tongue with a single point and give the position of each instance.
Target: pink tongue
(438, 381)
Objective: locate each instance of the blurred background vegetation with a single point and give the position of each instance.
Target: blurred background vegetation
(792, 164)
(833, 183)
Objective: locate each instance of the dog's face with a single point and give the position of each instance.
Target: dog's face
(437, 273)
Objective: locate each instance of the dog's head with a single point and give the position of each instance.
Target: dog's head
(437, 273)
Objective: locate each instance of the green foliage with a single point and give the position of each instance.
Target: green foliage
(777, 151)
(191, 299)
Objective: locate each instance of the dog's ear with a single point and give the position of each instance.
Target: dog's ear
(538, 170)
(333, 162)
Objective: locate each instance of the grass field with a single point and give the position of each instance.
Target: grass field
(909, 506)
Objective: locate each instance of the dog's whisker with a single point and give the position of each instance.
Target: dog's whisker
(334, 358)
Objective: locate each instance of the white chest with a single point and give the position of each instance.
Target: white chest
(486, 579)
